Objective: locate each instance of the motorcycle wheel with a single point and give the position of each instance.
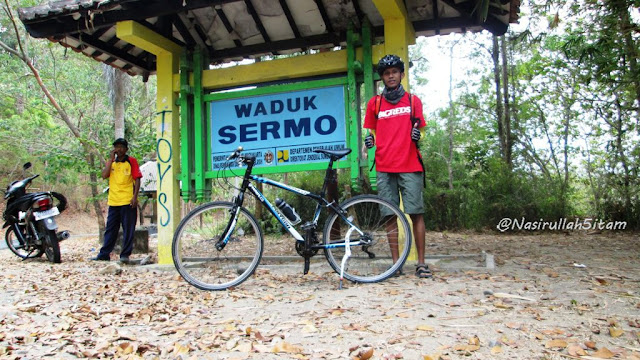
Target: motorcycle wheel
(18, 248)
(52, 246)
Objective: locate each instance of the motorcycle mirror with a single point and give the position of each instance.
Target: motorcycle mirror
(26, 165)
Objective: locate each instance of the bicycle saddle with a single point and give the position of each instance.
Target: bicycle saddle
(334, 154)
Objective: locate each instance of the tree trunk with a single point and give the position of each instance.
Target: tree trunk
(450, 123)
(623, 158)
(506, 120)
(565, 183)
(117, 86)
(93, 177)
(621, 9)
(118, 102)
(495, 54)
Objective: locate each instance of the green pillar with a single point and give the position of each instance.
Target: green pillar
(369, 91)
(353, 105)
(186, 128)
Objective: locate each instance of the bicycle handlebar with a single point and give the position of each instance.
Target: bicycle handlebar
(235, 153)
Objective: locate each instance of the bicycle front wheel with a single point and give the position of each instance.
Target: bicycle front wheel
(18, 246)
(381, 236)
(194, 247)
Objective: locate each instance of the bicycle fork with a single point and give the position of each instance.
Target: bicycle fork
(226, 234)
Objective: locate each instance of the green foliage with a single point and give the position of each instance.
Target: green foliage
(31, 129)
(574, 87)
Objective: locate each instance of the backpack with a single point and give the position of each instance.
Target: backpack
(414, 120)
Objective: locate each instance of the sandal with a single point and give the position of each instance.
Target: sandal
(423, 272)
(398, 273)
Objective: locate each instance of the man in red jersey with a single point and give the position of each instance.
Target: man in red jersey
(396, 123)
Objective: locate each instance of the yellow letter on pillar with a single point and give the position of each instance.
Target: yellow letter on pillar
(168, 150)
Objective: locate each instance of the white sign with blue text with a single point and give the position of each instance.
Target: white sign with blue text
(279, 129)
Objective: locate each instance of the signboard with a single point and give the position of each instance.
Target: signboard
(281, 128)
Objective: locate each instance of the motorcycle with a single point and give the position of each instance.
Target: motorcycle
(30, 220)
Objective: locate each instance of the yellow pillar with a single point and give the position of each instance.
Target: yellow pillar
(398, 32)
(398, 35)
(167, 129)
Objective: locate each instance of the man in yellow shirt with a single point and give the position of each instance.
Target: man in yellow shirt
(124, 176)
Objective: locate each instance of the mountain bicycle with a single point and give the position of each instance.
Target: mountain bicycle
(218, 245)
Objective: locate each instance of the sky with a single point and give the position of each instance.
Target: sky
(437, 53)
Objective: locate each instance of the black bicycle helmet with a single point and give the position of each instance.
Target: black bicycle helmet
(389, 61)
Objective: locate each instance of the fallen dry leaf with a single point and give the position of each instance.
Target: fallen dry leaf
(285, 347)
(603, 353)
(466, 348)
(425, 328)
(125, 348)
(475, 340)
(512, 296)
(556, 344)
(576, 350)
(496, 350)
(364, 354)
(179, 349)
(615, 332)
(431, 357)
(501, 305)
(590, 344)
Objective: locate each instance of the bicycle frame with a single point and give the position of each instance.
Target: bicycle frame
(284, 222)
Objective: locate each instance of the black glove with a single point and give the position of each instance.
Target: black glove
(368, 141)
(415, 134)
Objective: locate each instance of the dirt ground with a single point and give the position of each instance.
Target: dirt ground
(550, 296)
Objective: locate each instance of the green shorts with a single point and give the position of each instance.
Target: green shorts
(391, 185)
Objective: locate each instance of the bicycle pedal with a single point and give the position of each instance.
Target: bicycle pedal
(306, 266)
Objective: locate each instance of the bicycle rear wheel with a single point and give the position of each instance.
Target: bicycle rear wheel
(387, 238)
(194, 247)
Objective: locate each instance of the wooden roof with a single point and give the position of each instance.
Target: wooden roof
(233, 30)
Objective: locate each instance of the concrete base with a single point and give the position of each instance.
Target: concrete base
(292, 264)
(140, 241)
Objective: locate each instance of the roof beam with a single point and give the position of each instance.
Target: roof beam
(184, 31)
(94, 18)
(467, 9)
(436, 16)
(109, 50)
(358, 10)
(324, 63)
(227, 24)
(292, 21)
(146, 39)
(275, 46)
(325, 16)
(256, 18)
